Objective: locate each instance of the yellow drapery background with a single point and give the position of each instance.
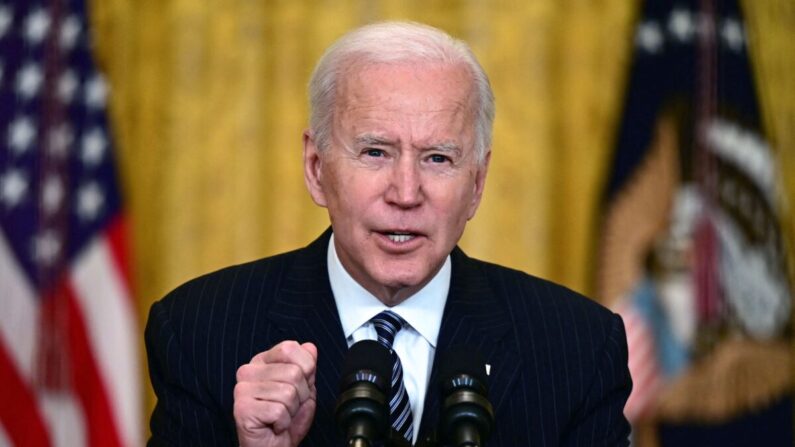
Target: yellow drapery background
(208, 104)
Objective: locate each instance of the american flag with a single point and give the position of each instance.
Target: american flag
(69, 359)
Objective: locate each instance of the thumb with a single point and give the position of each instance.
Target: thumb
(311, 348)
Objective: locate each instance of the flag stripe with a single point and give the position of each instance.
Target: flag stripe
(86, 378)
(642, 362)
(117, 235)
(64, 417)
(4, 438)
(19, 411)
(108, 309)
(19, 318)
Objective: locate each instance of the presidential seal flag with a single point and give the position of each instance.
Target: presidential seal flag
(692, 253)
(69, 373)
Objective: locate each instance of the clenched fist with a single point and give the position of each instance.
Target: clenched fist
(275, 396)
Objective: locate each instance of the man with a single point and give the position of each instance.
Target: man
(397, 151)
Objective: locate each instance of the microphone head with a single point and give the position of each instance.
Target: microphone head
(467, 415)
(362, 412)
(462, 368)
(368, 361)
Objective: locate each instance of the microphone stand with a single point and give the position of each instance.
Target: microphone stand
(395, 439)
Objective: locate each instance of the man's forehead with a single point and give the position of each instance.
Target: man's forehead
(430, 104)
(358, 73)
(429, 89)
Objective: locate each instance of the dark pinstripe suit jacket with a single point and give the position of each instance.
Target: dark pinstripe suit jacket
(559, 361)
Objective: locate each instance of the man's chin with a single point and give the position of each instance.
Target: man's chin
(395, 290)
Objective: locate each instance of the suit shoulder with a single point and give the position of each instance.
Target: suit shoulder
(515, 284)
(209, 317)
(233, 282)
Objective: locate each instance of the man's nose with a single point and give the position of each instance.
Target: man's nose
(405, 188)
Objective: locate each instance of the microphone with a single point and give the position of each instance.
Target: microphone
(362, 412)
(467, 415)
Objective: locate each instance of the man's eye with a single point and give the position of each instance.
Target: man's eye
(374, 152)
(437, 158)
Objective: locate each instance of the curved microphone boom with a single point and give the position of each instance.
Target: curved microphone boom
(467, 415)
(362, 412)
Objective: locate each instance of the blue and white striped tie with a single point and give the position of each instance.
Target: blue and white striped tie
(387, 324)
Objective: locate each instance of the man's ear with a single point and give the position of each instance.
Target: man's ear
(313, 169)
(480, 183)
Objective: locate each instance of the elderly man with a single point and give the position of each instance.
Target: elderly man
(397, 151)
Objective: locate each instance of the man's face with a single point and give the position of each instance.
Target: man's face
(400, 177)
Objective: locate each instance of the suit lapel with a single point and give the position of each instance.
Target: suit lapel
(475, 316)
(305, 310)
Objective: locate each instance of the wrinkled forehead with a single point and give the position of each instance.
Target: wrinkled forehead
(426, 105)
(456, 78)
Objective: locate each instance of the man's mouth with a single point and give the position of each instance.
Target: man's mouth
(400, 237)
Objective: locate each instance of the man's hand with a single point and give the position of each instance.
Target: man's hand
(275, 396)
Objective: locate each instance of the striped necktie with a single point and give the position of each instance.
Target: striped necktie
(387, 324)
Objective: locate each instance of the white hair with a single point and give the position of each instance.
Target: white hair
(391, 42)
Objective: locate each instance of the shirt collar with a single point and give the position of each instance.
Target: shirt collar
(356, 306)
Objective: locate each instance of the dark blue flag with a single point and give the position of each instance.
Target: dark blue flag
(691, 252)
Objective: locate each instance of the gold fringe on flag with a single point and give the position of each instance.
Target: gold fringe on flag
(737, 377)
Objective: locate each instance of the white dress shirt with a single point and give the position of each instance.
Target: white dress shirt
(415, 344)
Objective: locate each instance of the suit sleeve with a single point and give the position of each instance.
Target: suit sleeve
(601, 420)
(185, 413)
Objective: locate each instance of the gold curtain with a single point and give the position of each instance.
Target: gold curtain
(209, 104)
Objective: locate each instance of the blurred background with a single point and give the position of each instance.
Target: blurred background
(643, 155)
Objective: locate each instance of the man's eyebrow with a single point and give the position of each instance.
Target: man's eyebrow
(379, 140)
(375, 140)
(445, 147)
